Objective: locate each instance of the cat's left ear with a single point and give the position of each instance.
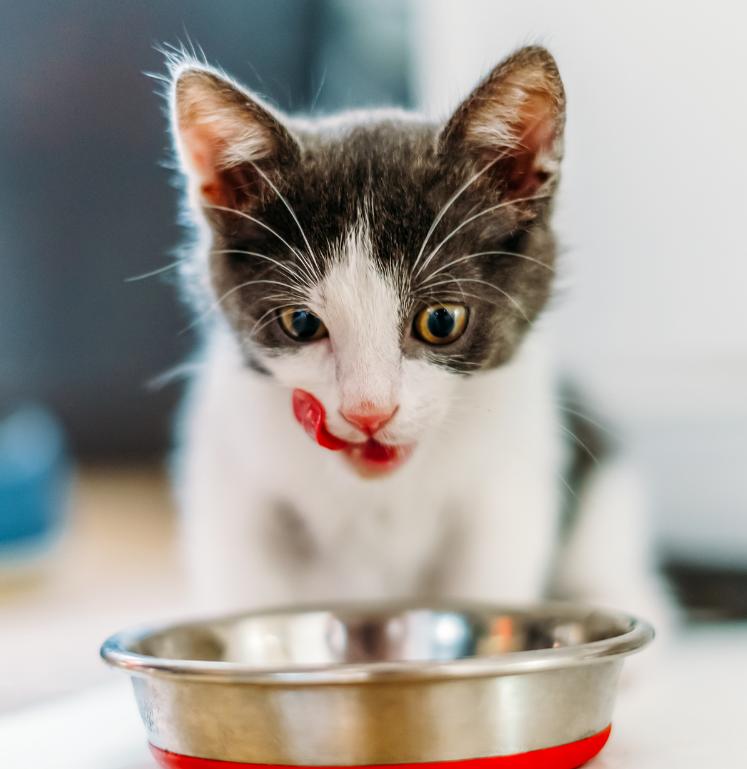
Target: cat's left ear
(513, 120)
(228, 142)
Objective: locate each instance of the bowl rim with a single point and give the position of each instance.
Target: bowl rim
(118, 652)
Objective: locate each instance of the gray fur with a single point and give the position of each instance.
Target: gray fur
(396, 172)
(288, 536)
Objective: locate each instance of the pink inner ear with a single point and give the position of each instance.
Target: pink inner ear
(536, 127)
(204, 150)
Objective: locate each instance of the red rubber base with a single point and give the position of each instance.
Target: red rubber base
(569, 756)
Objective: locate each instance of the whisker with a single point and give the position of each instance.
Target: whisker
(567, 485)
(440, 297)
(449, 203)
(282, 297)
(258, 281)
(216, 305)
(587, 418)
(307, 282)
(281, 197)
(153, 273)
(256, 328)
(318, 91)
(253, 329)
(489, 285)
(462, 359)
(471, 219)
(526, 257)
(452, 279)
(173, 374)
(258, 222)
(578, 440)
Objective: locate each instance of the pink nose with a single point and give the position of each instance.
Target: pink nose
(369, 421)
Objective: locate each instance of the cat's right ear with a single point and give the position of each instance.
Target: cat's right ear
(228, 143)
(512, 125)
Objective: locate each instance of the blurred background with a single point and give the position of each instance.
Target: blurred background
(650, 318)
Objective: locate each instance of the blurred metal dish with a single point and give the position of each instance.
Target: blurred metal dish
(377, 684)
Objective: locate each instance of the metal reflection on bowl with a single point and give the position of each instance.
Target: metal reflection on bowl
(378, 683)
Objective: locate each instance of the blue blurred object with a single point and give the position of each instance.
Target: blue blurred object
(35, 474)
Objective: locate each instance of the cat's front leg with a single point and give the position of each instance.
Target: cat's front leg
(506, 542)
(230, 565)
(226, 518)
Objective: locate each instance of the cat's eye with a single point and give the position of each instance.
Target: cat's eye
(441, 323)
(302, 325)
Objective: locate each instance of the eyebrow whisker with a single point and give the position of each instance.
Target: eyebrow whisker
(467, 257)
(303, 274)
(489, 285)
(471, 219)
(449, 203)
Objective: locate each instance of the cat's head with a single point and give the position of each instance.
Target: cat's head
(370, 261)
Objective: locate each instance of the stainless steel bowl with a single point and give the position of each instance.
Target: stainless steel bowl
(378, 683)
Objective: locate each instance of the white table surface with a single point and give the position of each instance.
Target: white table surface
(687, 711)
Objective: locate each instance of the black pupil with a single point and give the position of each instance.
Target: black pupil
(304, 324)
(441, 323)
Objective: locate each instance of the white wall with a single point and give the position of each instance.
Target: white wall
(653, 209)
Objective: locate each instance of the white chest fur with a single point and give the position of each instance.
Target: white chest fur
(269, 516)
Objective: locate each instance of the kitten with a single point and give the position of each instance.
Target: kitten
(376, 415)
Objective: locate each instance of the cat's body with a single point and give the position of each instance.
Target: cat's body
(270, 518)
(376, 279)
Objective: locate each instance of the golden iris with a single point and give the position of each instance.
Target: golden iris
(441, 323)
(302, 325)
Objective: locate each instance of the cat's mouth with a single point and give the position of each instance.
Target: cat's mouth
(369, 458)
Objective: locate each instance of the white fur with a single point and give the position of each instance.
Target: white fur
(473, 513)
(495, 123)
(478, 497)
(476, 505)
(609, 558)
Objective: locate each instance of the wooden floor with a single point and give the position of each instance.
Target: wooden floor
(117, 565)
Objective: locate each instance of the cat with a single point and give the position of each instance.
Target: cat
(376, 413)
